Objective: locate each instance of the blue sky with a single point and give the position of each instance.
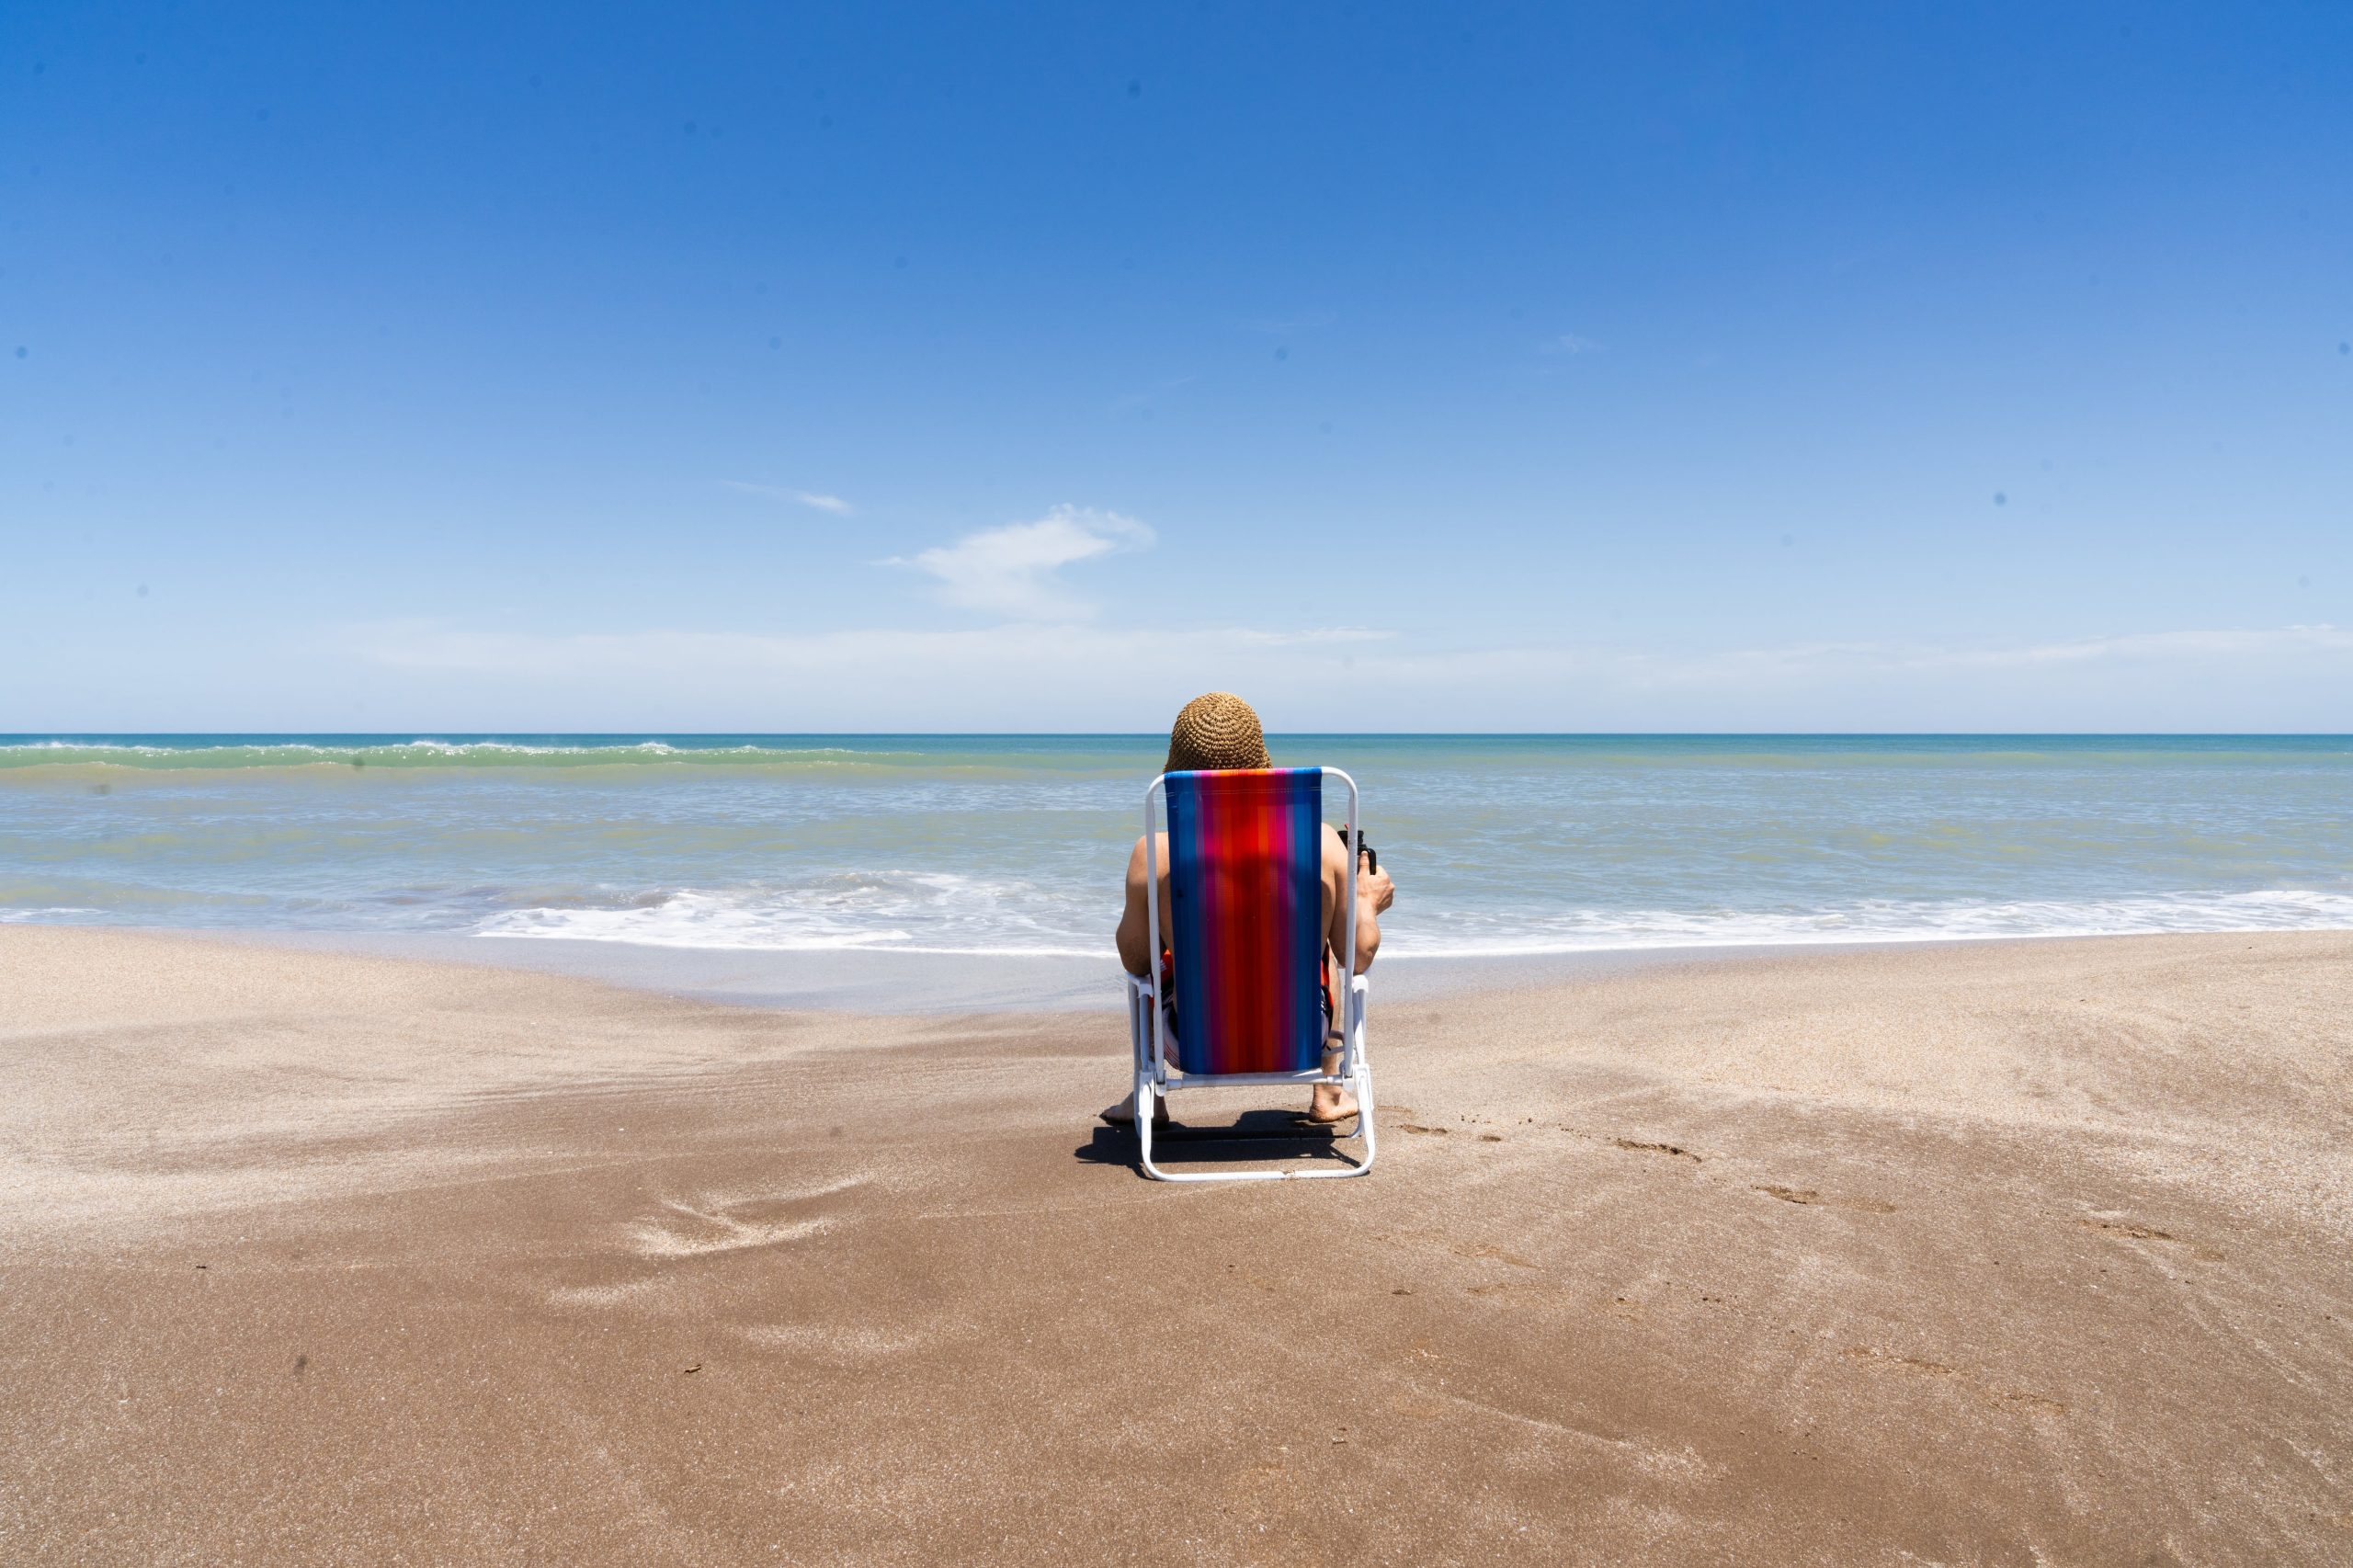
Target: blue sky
(888, 366)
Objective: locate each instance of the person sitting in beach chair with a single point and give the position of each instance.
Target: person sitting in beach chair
(1220, 733)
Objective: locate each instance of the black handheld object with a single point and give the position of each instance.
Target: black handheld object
(1371, 856)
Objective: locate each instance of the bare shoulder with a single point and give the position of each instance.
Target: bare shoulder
(1139, 861)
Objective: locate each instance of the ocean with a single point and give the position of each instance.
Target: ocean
(1500, 844)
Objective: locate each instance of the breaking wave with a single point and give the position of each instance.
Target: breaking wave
(934, 913)
(892, 756)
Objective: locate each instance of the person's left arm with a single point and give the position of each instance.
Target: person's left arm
(1134, 936)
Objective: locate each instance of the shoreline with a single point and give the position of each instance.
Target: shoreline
(1815, 1258)
(887, 980)
(796, 870)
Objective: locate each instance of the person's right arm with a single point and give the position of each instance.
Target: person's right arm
(1375, 893)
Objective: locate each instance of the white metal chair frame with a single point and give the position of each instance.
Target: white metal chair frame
(1157, 1077)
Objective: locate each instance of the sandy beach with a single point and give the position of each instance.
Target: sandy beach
(2023, 1252)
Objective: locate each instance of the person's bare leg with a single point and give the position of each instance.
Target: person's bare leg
(1124, 1113)
(1329, 1103)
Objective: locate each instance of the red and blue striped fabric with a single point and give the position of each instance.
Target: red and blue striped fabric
(1245, 869)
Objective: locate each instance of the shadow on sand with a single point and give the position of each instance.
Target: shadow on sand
(1253, 1137)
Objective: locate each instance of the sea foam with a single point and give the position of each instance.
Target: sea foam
(970, 918)
(1500, 844)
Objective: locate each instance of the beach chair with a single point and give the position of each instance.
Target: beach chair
(1245, 1004)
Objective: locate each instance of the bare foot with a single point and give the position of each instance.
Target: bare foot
(1124, 1113)
(1330, 1103)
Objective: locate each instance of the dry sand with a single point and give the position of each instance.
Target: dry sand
(2015, 1252)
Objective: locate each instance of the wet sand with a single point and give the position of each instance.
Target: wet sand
(1999, 1253)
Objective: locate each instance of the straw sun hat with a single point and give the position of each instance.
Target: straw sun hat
(1214, 731)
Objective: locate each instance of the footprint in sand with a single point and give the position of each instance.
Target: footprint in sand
(1806, 1195)
(2125, 1228)
(1871, 1355)
(2017, 1401)
(2131, 1230)
(708, 1225)
(1673, 1151)
(715, 1223)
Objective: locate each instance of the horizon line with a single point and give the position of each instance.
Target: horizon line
(8, 737)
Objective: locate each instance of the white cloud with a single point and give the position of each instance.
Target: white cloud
(1011, 571)
(1067, 675)
(1314, 634)
(2158, 645)
(1023, 674)
(833, 504)
(2133, 649)
(1570, 343)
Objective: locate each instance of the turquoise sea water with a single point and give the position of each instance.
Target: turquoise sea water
(1500, 844)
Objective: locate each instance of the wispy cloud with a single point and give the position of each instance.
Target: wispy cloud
(1055, 646)
(1011, 674)
(833, 504)
(1073, 674)
(1570, 343)
(2149, 645)
(432, 646)
(2132, 648)
(1314, 634)
(1012, 571)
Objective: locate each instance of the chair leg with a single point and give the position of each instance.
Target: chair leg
(1145, 1111)
(1360, 1072)
(1356, 1077)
